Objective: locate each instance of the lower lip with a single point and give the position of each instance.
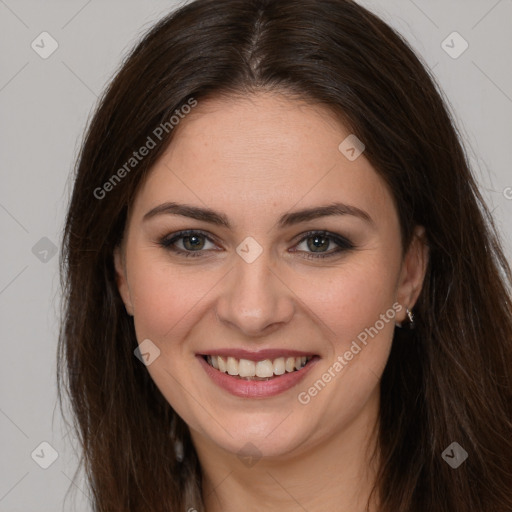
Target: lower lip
(256, 388)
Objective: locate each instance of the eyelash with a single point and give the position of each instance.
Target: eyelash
(343, 243)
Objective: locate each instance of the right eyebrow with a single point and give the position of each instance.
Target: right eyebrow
(193, 212)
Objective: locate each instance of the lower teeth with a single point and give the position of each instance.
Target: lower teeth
(255, 378)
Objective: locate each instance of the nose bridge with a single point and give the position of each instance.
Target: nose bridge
(253, 297)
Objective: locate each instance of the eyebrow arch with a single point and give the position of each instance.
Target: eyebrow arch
(288, 219)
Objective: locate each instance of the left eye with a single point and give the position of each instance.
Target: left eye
(316, 242)
(193, 243)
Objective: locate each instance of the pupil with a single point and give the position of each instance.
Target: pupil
(318, 242)
(193, 240)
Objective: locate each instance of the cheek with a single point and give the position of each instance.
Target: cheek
(352, 297)
(168, 302)
(165, 295)
(165, 303)
(359, 346)
(356, 308)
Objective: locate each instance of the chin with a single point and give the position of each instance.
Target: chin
(269, 437)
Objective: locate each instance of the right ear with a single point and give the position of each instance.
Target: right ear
(121, 280)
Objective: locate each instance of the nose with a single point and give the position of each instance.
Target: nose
(255, 300)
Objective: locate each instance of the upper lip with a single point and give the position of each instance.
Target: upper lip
(255, 355)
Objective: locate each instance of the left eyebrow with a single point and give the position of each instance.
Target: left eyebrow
(323, 211)
(288, 219)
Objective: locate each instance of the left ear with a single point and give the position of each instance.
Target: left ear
(414, 267)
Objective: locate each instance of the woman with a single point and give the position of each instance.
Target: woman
(283, 290)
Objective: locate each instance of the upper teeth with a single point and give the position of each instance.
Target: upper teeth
(265, 368)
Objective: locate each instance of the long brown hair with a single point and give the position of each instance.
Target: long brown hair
(449, 380)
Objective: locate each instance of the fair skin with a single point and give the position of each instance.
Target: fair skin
(253, 160)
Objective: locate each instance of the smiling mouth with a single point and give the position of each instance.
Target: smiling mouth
(266, 369)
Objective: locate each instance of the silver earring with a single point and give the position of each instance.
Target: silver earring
(411, 324)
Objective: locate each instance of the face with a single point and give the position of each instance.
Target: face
(258, 283)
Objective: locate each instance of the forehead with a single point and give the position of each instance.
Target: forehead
(265, 150)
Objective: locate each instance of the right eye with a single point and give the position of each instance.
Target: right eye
(192, 242)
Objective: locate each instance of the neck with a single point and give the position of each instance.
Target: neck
(335, 473)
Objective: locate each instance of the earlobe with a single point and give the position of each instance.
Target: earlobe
(414, 268)
(121, 280)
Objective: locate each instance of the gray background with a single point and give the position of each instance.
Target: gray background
(44, 106)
